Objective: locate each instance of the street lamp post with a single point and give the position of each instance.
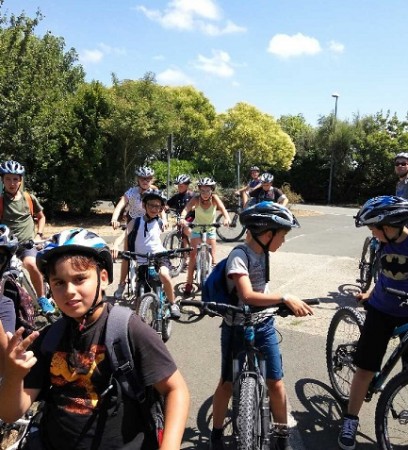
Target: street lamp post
(336, 97)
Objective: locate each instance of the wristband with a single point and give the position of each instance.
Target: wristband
(40, 234)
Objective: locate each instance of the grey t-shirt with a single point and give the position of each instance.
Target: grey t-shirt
(402, 188)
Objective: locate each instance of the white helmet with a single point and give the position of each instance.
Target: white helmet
(144, 172)
(266, 178)
(182, 179)
(11, 167)
(207, 181)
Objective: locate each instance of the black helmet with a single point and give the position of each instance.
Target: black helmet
(384, 210)
(78, 240)
(267, 216)
(11, 167)
(154, 194)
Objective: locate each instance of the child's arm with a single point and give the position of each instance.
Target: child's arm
(189, 206)
(221, 207)
(177, 402)
(251, 297)
(18, 360)
(117, 211)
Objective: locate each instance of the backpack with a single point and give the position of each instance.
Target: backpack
(215, 287)
(133, 233)
(28, 199)
(23, 305)
(123, 368)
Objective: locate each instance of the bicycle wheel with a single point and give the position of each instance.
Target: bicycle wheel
(366, 265)
(232, 233)
(171, 242)
(167, 323)
(132, 278)
(342, 337)
(147, 309)
(391, 414)
(205, 263)
(248, 416)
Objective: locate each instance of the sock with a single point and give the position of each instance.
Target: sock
(216, 434)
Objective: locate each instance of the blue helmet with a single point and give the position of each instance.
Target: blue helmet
(383, 210)
(79, 241)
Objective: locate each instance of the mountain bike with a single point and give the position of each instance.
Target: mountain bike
(151, 303)
(235, 230)
(203, 258)
(251, 417)
(174, 240)
(391, 415)
(369, 264)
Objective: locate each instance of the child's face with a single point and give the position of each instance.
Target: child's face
(205, 192)
(254, 174)
(387, 232)
(266, 186)
(278, 240)
(11, 183)
(145, 182)
(153, 208)
(182, 188)
(73, 289)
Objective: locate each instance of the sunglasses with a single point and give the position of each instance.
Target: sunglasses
(403, 164)
(146, 179)
(154, 205)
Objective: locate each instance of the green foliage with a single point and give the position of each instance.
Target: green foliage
(177, 167)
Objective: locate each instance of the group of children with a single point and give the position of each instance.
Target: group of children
(84, 406)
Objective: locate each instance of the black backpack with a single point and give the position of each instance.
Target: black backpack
(118, 349)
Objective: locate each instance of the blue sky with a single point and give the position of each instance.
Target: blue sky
(283, 57)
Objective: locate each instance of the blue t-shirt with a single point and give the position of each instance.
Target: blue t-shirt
(394, 274)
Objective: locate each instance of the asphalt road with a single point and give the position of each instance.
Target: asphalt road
(318, 260)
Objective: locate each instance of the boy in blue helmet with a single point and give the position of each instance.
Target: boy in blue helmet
(85, 406)
(386, 217)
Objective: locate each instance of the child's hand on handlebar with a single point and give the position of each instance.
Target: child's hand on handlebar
(299, 307)
(362, 297)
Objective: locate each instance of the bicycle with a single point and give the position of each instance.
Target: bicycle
(234, 231)
(151, 303)
(251, 417)
(369, 264)
(391, 415)
(174, 240)
(203, 258)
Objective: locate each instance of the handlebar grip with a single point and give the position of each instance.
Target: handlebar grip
(397, 292)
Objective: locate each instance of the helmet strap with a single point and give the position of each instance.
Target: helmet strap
(265, 248)
(393, 239)
(94, 305)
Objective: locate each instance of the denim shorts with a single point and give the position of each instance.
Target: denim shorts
(266, 340)
(210, 234)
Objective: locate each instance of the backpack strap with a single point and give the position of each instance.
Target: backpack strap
(28, 199)
(53, 336)
(233, 294)
(119, 351)
(132, 235)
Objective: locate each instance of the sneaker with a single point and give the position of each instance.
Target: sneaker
(347, 436)
(280, 438)
(175, 311)
(188, 289)
(119, 291)
(216, 444)
(46, 305)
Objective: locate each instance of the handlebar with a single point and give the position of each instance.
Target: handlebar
(154, 256)
(31, 244)
(221, 309)
(402, 294)
(204, 226)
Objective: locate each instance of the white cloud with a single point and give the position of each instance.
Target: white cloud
(90, 56)
(336, 47)
(187, 15)
(287, 46)
(96, 55)
(173, 77)
(219, 64)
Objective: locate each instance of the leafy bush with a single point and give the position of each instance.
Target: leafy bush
(293, 197)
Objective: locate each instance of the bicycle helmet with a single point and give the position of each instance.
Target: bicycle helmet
(206, 181)
(266, 216)
(254, 169)
(8, 240)
(154, 195)
(182, 179)
(402, 155)
(11, 167)
(80, 241)
(144, 171)
(266, 178)
(383, 210)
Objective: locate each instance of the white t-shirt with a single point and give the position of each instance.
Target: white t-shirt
(147, 238)
(135, 202)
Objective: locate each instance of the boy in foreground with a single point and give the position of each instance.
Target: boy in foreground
(85, 407)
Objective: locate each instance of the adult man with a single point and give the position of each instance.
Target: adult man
(401, 169)
(17, 215)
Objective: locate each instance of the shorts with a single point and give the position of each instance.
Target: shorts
(24, 252)
(266, 340)
(376, 333)
(142, 268)
(210, 234)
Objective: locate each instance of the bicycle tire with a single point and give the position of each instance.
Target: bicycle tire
(342, 337)
(366, 265)
(147, 309)
(248, 415)
(166, 322)
(132, 278)
(232, 233)
(174, 241)
(205, 262)
(391, 414)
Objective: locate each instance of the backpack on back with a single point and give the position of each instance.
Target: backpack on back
(28, 199)
(215, 287)
(151, 403)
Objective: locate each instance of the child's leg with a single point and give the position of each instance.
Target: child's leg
(213, 245)
(192, 262)
(358, 390)
(167, 284)
(277, 401)
(220, 403)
